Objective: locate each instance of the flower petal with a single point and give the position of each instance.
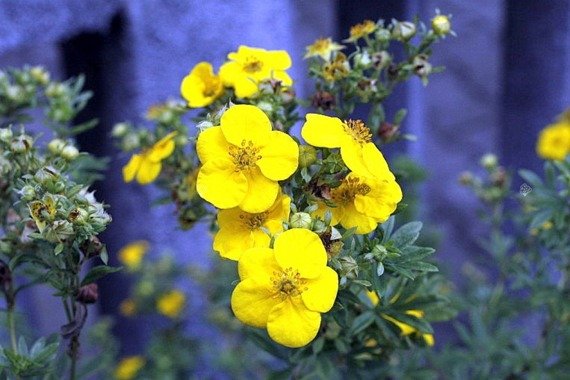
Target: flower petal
(302, 250)
(258, 263)
(162, 148)
(278, 214)
(212, 144)
(280, 157)
(229, 71)
(148, 171)
(291, 324)
(244, 122)
(381, 201)
(252, 302)
(231, 241)
(352, 155)
(261, 192)
(132, 167)
(321, 291)
(220, 184)
(375, 162)
(323, 131)
(278, 59)
(352, 218)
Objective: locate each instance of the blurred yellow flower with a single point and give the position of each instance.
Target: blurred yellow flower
(43, 211)
(362, 202)
(249, 66)
(361, 30)
(404, 328)
(324, 48)
(336, 70)
(146, 166)
(240, 230)
(171, 304)
(128, 307)
(354, 140)
(243, 159)
(128, 367)
(201, 87)
(285, 289)
(132, 254)
(441, 25)
(554, 141)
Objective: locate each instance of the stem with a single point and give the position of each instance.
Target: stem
(12, 327)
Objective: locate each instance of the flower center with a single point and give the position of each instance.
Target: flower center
(253, 221)
(244, 156)
(358, 131)
(321, 45)
(252, 65)
(211, 87)
(288, 283)
(350, 188)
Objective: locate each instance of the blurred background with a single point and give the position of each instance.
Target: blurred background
(507, 76)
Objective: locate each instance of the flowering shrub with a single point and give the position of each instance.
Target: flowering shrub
(310, 223)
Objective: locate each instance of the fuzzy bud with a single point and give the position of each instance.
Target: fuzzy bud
(324, 100)
(55, 146)
(404, 30)
(441, 25)
(301, 220)
(120, 130)
(69, 152)
(489, 161)
(40, 75)
(381, 59)
(383, 35)
(27, 193)
(387, 131)
(6, 135)
(21, 144)
(92, 247)
(422, 67)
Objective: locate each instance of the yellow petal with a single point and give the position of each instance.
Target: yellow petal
(201, 87)
(280, 157)
(278, 214)
(375, 162)
(430, 341)
(381, 201)
(162, 148)
(336, 212)
(278, 59)
(220, 184)
(352, 218)
(229, 72)
(301, 250)
(258, 263)
(261, 192)
(244, 122)
(283, 77)
(352, 155)
(321, 291)
(291, 324)
(233, 240)
(323, 131)
(148, 171)
(212, 144)
(245, 87)
(252, 302)
(132, 167)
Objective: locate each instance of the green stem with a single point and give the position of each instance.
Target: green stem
(12, 327)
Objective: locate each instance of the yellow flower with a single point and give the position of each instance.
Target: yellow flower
(146, 166)
(354, 140)
(361, 30)
(240, 230)
(128, 307)
(243, 159)
(171, 304)
(285, 289)
(201, 87)
(362, 202)
(128, 367)
(404, 328)
(554, 141)
(132, 254)
(441, 25)
(43, 212)
(323, 47)
(249, 66)
(338, 69)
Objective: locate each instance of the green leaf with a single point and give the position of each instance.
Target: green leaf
(530, 177)
(361, 322)
(98, 272)
(407, 234)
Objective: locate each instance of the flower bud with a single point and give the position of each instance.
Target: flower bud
(349, 267)
(307, 156)
(14, 93)
(301, 220)
(204, 124)
(383, 34)
(388, 131)
(21, 144)
(6, 135)
(422, 67)
(92, 247)
(40, 75)
(404, 30)
(45, 175)
(5, 167)
(88, 294)
(55, 146)
(381, 59)
(441, 25)
(54, 90)
(131, 142)
(489, 161)
(69, 152)
(27, 193)
(362, 59)
(120, 130)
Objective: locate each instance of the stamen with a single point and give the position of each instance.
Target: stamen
(358, 131)
(350, 188)
(288, 283)
(254, 221)
(245, 156)
(252, 65)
